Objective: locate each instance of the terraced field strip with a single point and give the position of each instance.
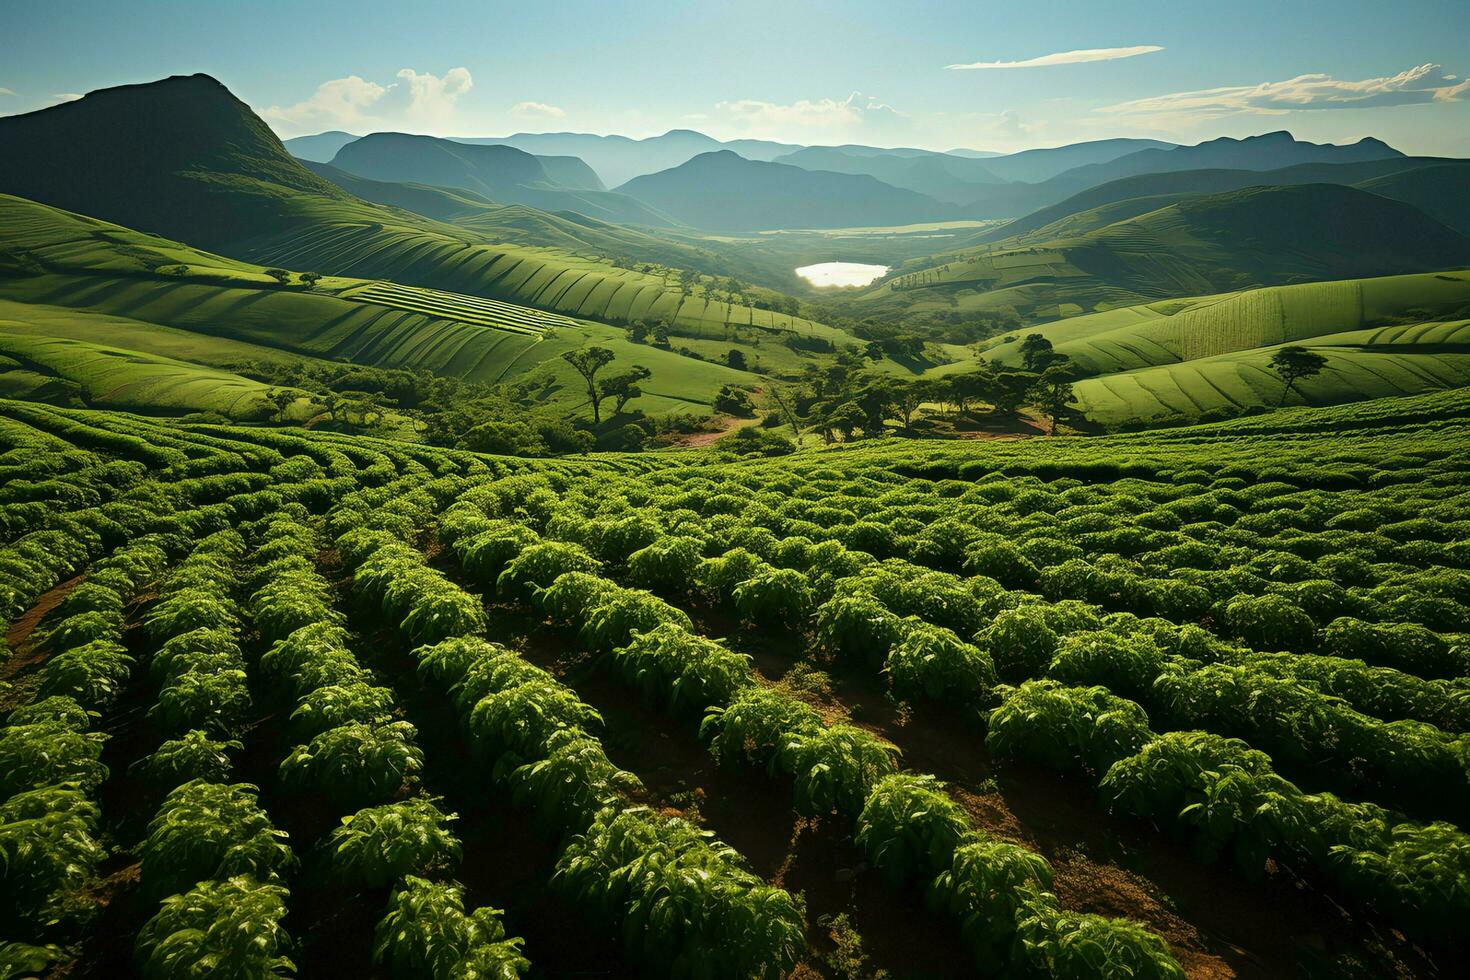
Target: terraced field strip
(457, 306)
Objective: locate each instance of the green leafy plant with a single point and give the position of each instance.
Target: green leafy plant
(229, 929)
(427, 933)
(687, 671)
(357, 762)
(210, 830)
(910, 827)
(194, 755)
(377, 846)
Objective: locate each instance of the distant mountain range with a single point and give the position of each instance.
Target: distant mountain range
(618, 159)
(724, 191)
(503, 174)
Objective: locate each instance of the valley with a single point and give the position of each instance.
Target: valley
(487, 524)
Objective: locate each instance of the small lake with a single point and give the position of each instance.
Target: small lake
(841, 273)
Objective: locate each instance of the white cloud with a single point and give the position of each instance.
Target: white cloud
(1317, 91)
(1064, 58)
(7, 91)
(536, 110)
(414, 100)
(820, 115)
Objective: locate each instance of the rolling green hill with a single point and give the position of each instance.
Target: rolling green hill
(1382, 336)
(502, 174)
(183, 158)
(725, 192)
(1214, 181)
(1181, 246)
(115, 377)
(88, 281)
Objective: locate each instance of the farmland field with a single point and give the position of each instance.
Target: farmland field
(582, 546)
(1039, 683)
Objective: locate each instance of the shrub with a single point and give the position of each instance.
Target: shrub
(909, 827)
(668, 564)
(228, 929)
(857, 626)
(1067, 727)
(757, 725)
(1019, 642)
(781, 596)
(984, 887)
(1126, 666)
(836, 768)
(209, 830)
(426, 932)
(192, 756)
(931, 661)
(683, 669)
(1270, 622)
(377, 846)
(358, 762)
(685, 901)
(539, 565)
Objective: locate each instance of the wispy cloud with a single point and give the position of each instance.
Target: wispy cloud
(1416, 86)
(536, 110)
(414, 100)
(7, 91)
(1064, 58)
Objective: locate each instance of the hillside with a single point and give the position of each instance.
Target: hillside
(1181, 358)
(940, 176)
(185, 159)
(1182, 246)
(725, 192)
(1044, 163)
(502, 174)
(618, 159)
(181, 156)
(320, 147)
(85, 281)
(1215, 181)
(1270, 151)
(1443, 192)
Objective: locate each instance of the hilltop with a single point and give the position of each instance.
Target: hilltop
(724, 191)
(184, 158)
(1153, 248)
(502, 174)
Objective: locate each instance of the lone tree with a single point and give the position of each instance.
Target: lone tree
(1294, 363)
(588, 361)
(281, 399)
(1052, 393)
(1036, 352)
(310, 279)
(279, 275)
(623, 388)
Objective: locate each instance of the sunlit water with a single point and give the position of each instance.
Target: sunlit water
(841, 273)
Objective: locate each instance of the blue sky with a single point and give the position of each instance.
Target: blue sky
(810, 73)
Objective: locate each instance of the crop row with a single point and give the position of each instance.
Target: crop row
(909, 829)
(685, 903)
(51, 760)
(351, 753)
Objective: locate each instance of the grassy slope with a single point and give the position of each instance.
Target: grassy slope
(1385, 336)
(1183, 246)
(106, 278)
(113, 377)
(182, 157)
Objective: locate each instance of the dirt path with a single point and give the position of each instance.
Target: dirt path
(727, 424)
(22, 653)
